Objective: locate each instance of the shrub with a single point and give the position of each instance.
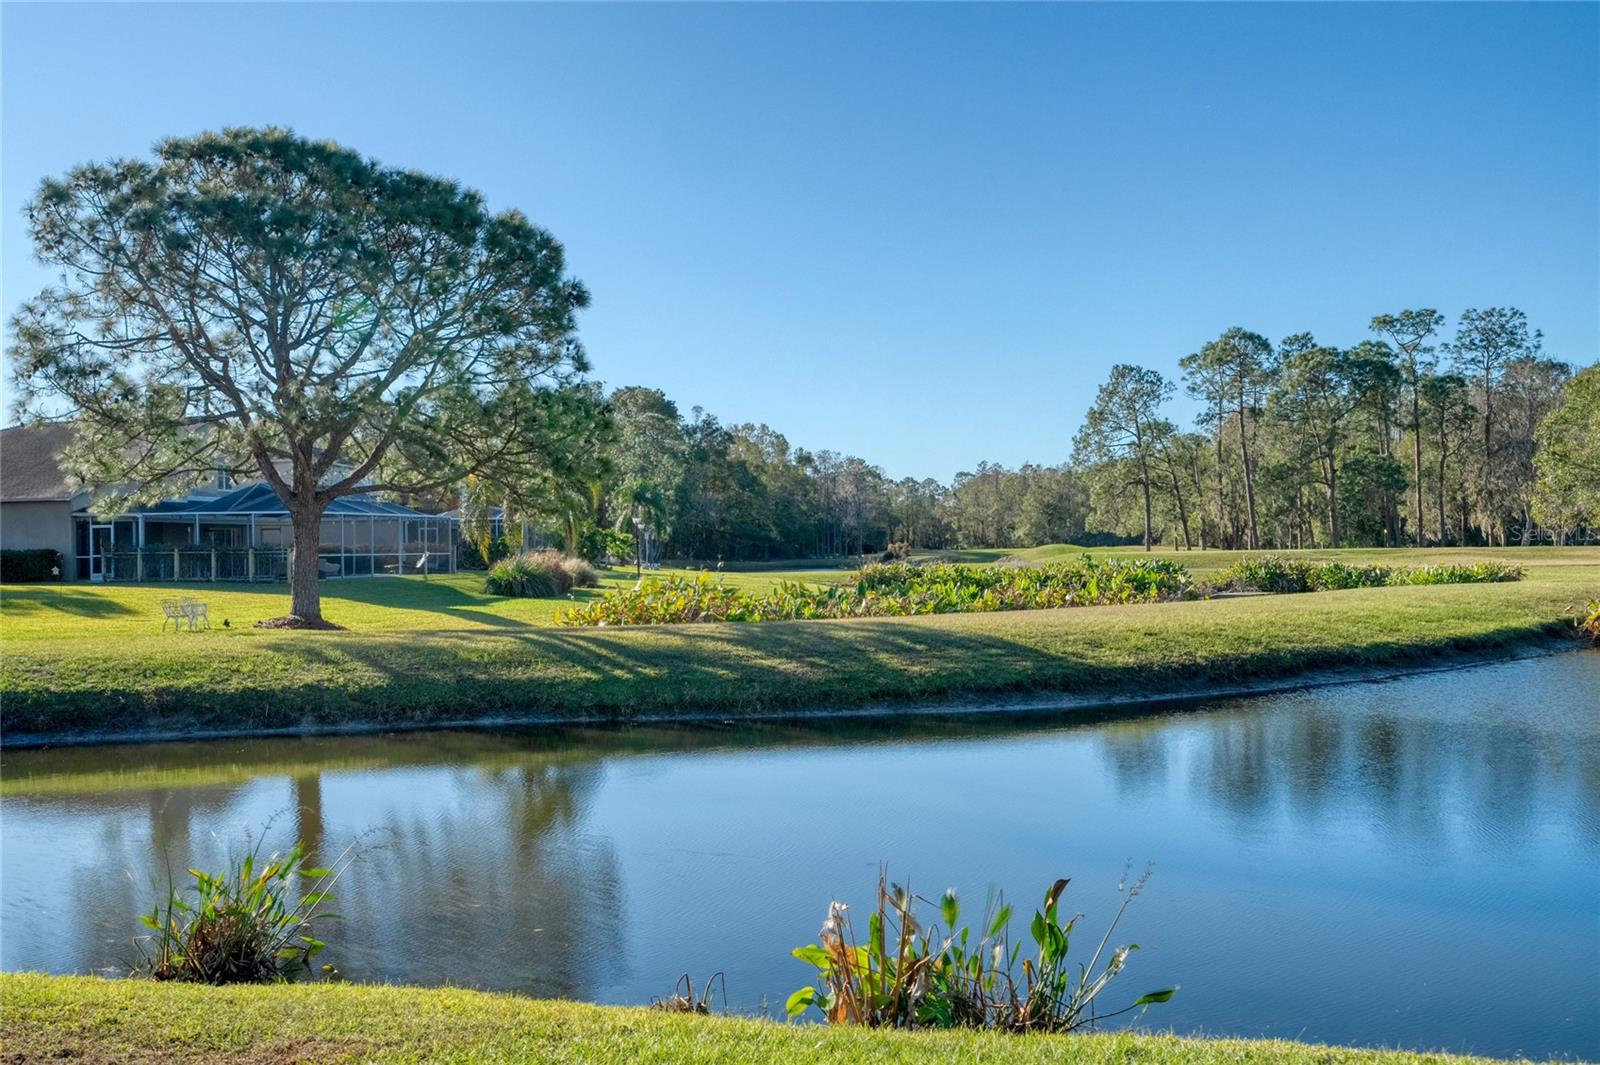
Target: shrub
(896, 552)
(891, 589)
(665, 601)
(599, 544)
(499, 547)
(250, 924)
(18, 565)
(1476, 573)
(539, 575)
(555, 564)
(1273, 573)
(519, 577)
(907, 975)
(581, 573)
(1589, 619)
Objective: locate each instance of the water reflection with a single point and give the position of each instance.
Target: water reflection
(1335, 865)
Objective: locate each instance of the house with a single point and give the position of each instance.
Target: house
(221, 531)
(36, 500)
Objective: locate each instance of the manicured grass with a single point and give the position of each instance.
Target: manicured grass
(423, 653)
(87, 1018)
(1205, 563)
(97, 612)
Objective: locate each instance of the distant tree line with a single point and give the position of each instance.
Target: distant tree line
(1403, 438)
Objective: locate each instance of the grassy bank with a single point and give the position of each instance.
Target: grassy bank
(419, 652)
(97, 612)
(86, 1018)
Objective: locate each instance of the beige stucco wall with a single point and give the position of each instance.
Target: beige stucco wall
(34, 525)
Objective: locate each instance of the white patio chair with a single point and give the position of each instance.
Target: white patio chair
(195, 611)
(172, 610)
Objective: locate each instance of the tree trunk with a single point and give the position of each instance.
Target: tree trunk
(1488, 452)
(305, 596)
(1222, 513)
(1144, 478)
(1443, 534)
(1183, 511)
(1249, 481)
(1193, 472)
(1416, 455)
(1333, 502)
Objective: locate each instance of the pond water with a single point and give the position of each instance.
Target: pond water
(1411, 863)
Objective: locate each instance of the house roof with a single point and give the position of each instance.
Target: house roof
(259, 498)
(30, 471)
(30, 463)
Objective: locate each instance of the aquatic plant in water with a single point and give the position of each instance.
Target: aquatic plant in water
(684, 1000)
(909, 976)
(249, 924)
(1589, 619)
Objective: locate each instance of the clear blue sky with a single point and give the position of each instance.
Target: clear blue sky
(918, 233)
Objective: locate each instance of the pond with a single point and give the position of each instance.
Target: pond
(1411, 863)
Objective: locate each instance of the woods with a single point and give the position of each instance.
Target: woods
(1409, 436)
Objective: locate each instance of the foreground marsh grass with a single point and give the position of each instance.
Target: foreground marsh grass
(87, 1018)
(62, 671)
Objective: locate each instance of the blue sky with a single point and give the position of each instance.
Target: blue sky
(921, 234)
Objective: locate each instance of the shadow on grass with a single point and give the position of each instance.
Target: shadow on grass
(393, 679)
(443, 597)
(777, 666)
(448, 599)
(64, 599)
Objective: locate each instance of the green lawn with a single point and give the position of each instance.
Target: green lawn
(1204, 563)
(133, 1021)
(92, 612)
(91, 657)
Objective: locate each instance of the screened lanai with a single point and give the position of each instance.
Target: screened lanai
(244, 535)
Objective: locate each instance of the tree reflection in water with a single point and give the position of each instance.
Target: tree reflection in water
(1294, 836)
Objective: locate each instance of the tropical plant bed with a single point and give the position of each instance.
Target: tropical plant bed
(905, 589)
(82, 1018)
(892, 589)
(1277, 575)
(909, 589)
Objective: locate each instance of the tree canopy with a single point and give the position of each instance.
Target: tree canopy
(1568, 456)
(1125, 423)
(284, 308)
